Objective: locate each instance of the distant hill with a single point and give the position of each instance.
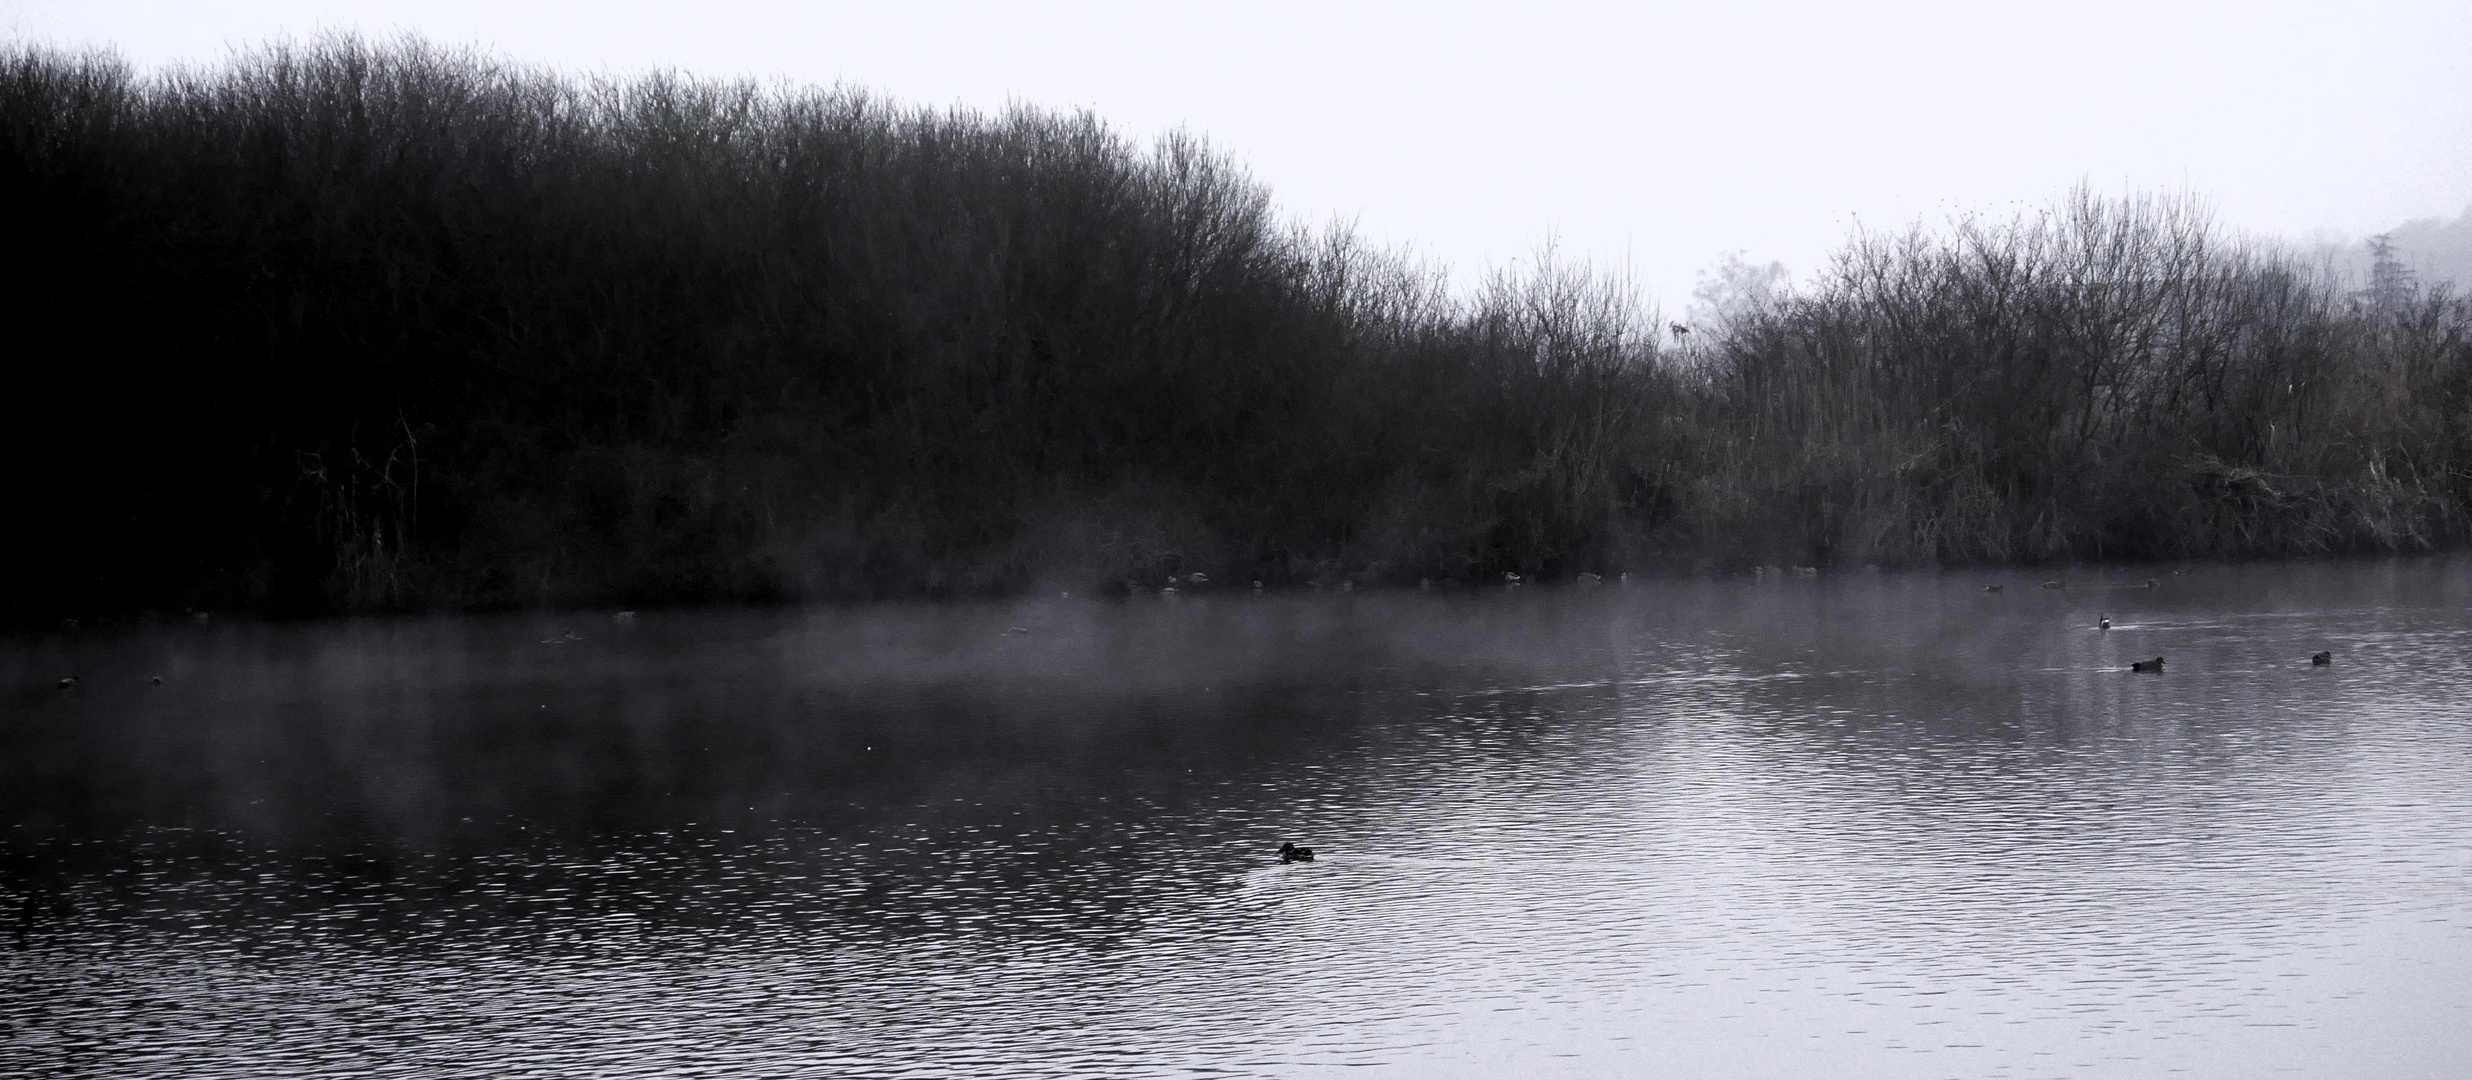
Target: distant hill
(2436, 250)
(2439, 250)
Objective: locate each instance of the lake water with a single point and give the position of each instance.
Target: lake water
(1851, 825)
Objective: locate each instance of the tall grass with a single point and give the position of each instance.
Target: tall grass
(353, 327)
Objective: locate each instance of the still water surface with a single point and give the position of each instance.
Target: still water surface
(1870, 825)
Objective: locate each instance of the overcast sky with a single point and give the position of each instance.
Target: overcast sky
(1657, 135)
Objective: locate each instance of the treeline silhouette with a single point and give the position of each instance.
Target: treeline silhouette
(2105, 379)
(358, 327)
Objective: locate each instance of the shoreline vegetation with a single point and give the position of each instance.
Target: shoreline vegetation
(354, 327)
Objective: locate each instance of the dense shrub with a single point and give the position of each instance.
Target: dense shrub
(358, 327)
(2108, 378)
(355, 327)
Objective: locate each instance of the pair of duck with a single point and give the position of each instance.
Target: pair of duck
(2321, 658)
(2156, 664)
(1289, 853)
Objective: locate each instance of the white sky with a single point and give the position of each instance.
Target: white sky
(1657, 135)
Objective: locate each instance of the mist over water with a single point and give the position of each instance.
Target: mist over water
(1857, 825)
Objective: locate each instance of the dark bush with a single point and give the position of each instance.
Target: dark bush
(2107, 379)
(355, 327)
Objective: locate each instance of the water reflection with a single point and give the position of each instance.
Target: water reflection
(1883, 826)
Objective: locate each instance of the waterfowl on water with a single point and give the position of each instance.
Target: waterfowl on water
(69, 683)
(1993, 588)
(2322, 658)
(2103, 623)
(2154, 665)
(1291, 853)
(2055, 585)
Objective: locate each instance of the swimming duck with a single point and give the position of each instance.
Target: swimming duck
(2103, 623)
(69, 683)
(1291, 853)
(2151, 666)
(2322, 658)
(1993, 588)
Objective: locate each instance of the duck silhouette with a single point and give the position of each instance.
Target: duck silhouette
(1291, 853)
(2154, 666)
(2103, 623)
(2321, 658)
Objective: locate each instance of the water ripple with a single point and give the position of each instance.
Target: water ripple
(1876, 827)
